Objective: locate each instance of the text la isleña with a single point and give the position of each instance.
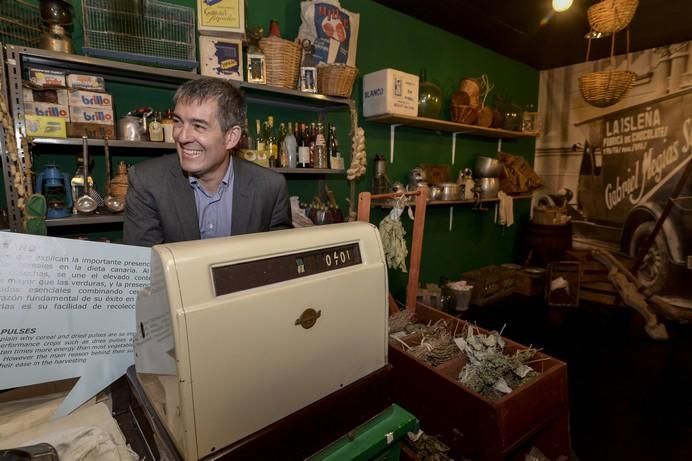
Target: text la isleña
(633, 187)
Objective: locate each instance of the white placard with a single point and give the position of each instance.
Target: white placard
(67, 309)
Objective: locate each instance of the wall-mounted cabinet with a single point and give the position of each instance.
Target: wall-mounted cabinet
(138, 79)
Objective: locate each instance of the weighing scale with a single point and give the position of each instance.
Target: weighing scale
(239, 335)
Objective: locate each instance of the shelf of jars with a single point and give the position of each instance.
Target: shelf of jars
(452, 127)
(19, 58)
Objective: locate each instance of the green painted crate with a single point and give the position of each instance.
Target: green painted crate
(375, 440)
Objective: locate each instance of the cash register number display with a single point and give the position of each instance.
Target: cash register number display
(252, 274)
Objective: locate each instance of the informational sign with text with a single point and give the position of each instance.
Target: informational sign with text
(67, 309)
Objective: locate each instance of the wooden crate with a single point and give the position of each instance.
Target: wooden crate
(475, 426)
(490, 284)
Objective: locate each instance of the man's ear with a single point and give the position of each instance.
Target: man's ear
(232, 137)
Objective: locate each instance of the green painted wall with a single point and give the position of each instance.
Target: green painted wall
(390, 39)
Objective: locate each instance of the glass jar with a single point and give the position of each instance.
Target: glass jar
(429, 97)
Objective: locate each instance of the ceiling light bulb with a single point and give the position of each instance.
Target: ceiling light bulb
(561, 5)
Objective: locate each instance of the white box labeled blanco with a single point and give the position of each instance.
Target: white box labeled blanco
(91, 99)
(46, 109)
(390, 91)
(79, 114)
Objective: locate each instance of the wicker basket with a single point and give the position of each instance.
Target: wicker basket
(336, 79)
(463, 114)
(610, 16)
(282, 61)
(605, 88)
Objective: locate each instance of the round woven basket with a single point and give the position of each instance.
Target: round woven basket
(463, 114)
(336, 79)
(605, 88)
(282, 60)
(610, 16)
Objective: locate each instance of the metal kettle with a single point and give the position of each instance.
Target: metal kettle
(133, 126)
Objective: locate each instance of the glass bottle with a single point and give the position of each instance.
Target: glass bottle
(321, 158)
(272, 145)
(155, 128)
(312, 132)
(274, 29)
(291, 146)
(167, 123)
(260, 138)
(333, 142)
(303, 148)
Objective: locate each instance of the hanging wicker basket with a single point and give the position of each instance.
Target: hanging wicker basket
(605, 88)
(282, 61)
(610, 16)
(336, 79)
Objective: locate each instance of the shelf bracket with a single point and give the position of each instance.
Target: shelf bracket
(451, 215)
(454, 147)
(392, 131)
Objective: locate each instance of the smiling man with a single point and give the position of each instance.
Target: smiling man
(203, 191)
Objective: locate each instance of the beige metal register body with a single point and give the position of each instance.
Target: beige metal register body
(262, 325)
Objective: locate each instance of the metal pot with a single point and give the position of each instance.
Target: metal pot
(488, 187)
(131, 128)
(435, 192)
(449, 191)
(486, 167)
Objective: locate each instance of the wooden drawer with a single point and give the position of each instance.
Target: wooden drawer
(475, 426)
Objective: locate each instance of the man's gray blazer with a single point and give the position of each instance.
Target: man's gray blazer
(160, 204)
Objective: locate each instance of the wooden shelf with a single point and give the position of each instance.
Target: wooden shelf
(78, 220)
(452, 127)
(99, 142)
(308, 171)
(387, 203)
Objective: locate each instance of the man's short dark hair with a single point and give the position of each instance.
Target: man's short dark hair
(231, 102)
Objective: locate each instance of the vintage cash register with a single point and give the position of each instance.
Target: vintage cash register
(235, 334)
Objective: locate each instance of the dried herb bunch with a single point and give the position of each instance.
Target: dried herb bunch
(429, 448)
(491, 372)
(436, 346)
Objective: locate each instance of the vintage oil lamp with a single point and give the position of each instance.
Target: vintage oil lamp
(55, 186)
(56, 16)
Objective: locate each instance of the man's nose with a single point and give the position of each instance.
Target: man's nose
(181, 133)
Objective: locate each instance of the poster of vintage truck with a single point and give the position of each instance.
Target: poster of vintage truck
(623, 162)
(632, 160)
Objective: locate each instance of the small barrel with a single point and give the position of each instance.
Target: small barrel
(549, 242)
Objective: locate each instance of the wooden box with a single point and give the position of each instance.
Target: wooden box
(535, 414)
(529, 284)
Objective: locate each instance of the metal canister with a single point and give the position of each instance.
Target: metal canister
(380, 175)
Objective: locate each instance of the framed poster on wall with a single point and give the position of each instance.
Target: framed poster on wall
(221, 57)
(221, 15)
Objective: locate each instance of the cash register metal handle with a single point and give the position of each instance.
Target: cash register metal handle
(308, 318)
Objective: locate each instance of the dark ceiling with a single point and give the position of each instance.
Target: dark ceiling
(513, 27)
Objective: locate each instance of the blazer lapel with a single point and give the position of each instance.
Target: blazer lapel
(243, 195)
(183, 200)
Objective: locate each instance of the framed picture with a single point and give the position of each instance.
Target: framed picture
(308, 79)
(221, 15)
(221, 57)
